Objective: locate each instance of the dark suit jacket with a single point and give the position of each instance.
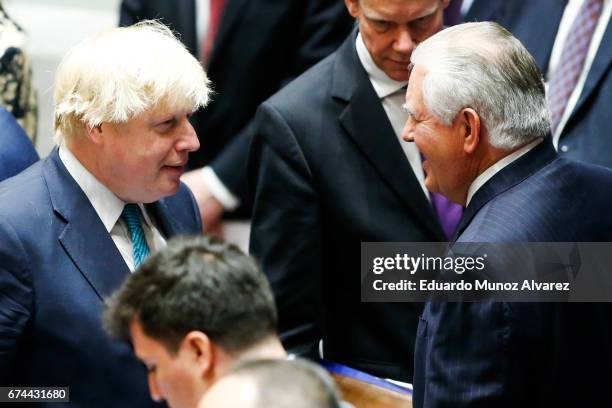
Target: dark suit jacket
(585, 136)
(57, 263)
(16, 149)
(260, 46)
(329, 174)
(494, 354)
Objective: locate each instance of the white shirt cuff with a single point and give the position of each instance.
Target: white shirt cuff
(218, 190)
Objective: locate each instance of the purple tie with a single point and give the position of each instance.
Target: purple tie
(448, 213)
(563, 80)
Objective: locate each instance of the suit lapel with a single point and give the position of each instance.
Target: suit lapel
(84, 237)
(599, 68)
(507, 178)
(366, 123)
(167, 221)
(536, 33)
(543, 34)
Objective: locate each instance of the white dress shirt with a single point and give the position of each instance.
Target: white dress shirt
(497, 167)
(109, 208)
(563, 34)
(392, 96)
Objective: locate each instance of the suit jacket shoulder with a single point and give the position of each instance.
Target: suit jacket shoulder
(16, 150)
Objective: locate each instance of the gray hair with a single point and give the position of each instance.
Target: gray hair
(122, 72)
(482, 66)
(294, 383)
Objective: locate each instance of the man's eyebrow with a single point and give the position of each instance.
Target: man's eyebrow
(432, 10)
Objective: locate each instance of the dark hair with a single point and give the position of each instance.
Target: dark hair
(295, 383)
(196, 283)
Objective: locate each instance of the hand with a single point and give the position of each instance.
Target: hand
(211, 209)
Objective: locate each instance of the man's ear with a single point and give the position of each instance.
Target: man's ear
(352, 7)
(470, 124)
(94, 133)
(199, 348)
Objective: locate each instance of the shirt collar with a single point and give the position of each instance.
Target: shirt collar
(106, 204)
(486, 175)
(383, 85)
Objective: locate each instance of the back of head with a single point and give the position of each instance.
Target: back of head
(274, 384)
(482, 66)
(117, 74)
(196, 284)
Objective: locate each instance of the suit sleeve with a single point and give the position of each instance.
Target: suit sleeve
(228, 164)
(16, 299)
(285, 232)
(16, 151)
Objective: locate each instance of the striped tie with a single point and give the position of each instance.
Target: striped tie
(565, 77)
(131, 216)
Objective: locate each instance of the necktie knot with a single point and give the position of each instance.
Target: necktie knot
(140, 249)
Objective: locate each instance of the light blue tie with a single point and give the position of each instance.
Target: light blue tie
(131, 216)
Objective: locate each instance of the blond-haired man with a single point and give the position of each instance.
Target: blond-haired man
(75, 224)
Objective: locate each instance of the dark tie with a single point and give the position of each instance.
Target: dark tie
(140, 249)
(563, 80)
(216, 10)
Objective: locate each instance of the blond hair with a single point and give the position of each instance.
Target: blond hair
(120, 73)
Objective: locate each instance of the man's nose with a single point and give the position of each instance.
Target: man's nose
(403, 42)
(407, 132)
(189, 139)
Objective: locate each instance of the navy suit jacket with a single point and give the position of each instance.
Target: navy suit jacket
(329, 173)
(57, 264)
(494, 354)
(16, 149)
(586, 135)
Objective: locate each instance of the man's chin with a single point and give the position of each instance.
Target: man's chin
(432, 186)
(396, 71)
(399, 75)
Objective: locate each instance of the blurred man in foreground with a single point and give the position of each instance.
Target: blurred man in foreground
(274, 384)
(75, 224)
(191, 312)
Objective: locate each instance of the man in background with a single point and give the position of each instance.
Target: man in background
(75, 224)
(572, 46)
(191, 312)
(329, 173)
